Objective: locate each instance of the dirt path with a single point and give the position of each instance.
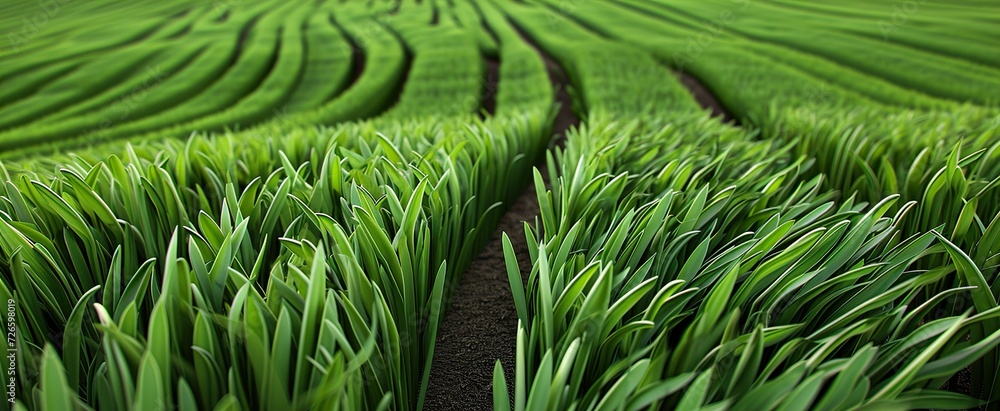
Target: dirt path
(705, 98)
(491, 81)
(481, 325)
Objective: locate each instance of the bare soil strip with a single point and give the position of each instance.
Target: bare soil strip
(705, 98)
(491, 81)
(358, 60)
(481, 325)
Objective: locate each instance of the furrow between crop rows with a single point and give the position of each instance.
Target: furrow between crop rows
(480, 324)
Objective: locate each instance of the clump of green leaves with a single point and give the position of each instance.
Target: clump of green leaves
(310, 268)
(690, 267)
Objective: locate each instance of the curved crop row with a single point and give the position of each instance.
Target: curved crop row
(731, 304)
(525, 83)
(689, 267)
(327, 67)
(447, 69)
(85, 81)
(619, 79)
(355, 287)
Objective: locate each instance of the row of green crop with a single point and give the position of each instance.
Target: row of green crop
(525, 79)
(201, 84)
(327, 67)
(203, 27)
(859, 146)
(279, 267)
(50, 43)
(855, 81)
(265, 94)
(682, 264)
(824, 118)
(235, 72)
(689, 267)
(195, 97)
(872, 150)
(34, 27)
(446, 76)
(385, 66)
(260, 51)
(915, 24)
(467, 16)
(148, 97)
(22, 73)
(87, 80)
(907, 66)
(602, 71)
(311, 264)
(938, 27)
(695, 50)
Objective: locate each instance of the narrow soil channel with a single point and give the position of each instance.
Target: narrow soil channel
(481, 325)
(358, 58)
(705, 98)
(491, 81)
(243, 38)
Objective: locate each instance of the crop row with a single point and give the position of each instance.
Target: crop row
(314, 262)
(338, 242)
(824, 118)
(713, 272)
(446, 76)
(684, 264)
(209, 70)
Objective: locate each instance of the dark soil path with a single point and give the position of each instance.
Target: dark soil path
(705, 98)
(481, 325)
(491, 81)
(358, 60)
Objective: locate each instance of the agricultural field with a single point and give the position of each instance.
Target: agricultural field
(500, 204)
